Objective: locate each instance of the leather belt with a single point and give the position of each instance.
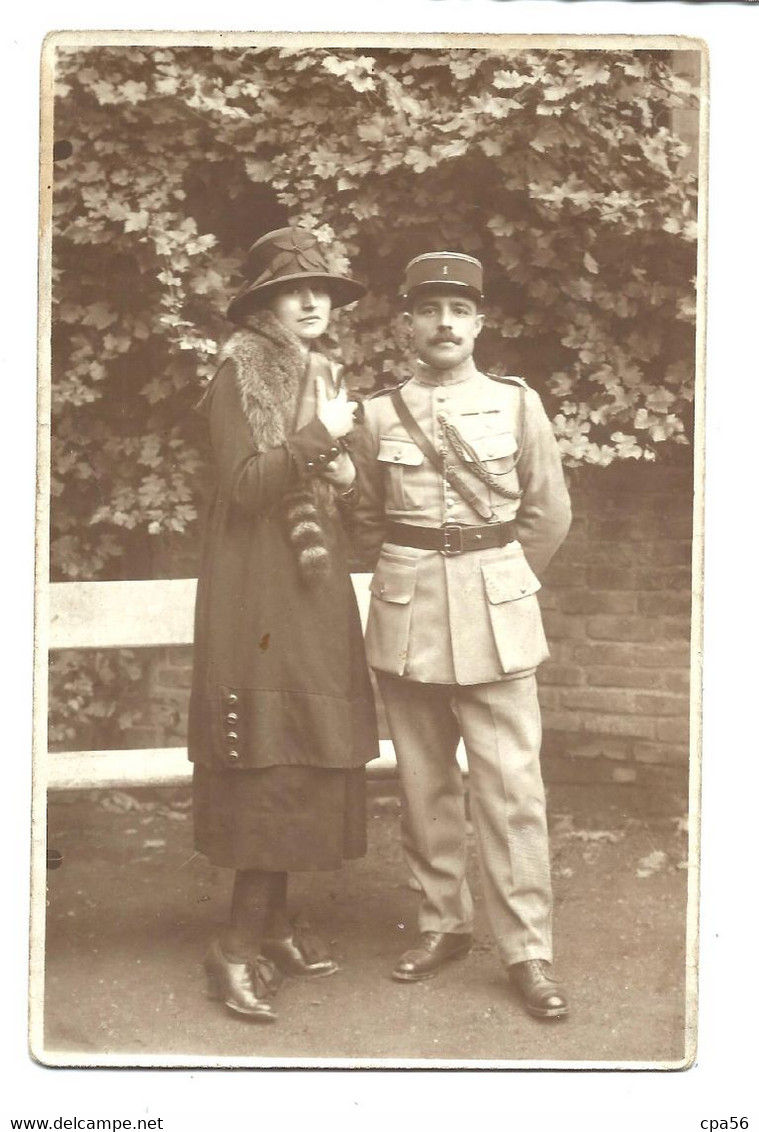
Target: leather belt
(451, 539)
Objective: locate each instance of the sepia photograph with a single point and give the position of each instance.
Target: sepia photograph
(369, 551)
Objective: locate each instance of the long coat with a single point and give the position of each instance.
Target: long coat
(280, 675)
(471, 618)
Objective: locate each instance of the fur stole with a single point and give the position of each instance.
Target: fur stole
(270, 367)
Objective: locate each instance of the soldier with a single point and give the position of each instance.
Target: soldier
(461, 504)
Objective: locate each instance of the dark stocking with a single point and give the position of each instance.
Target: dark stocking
(256, 897)
(277, 924)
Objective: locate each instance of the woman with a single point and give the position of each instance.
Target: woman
(282, 710)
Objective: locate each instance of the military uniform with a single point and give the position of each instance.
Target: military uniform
(454, 634)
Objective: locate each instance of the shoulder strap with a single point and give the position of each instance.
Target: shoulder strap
(386, 390)
(508, 379)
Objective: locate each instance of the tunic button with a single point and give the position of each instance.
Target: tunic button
(322, 457)
(334, 451)
(232, 698)
(232, 717)
(232, 737)
(234, 756)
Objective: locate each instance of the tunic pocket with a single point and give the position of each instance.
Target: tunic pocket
(493, 445)
(387, 630)
(497, 450)
(511, 589)
(402, 461)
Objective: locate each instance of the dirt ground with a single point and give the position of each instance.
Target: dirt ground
(131, 910)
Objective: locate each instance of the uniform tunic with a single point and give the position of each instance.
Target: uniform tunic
(471, 618)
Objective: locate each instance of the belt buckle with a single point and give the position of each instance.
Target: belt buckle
(452, 546)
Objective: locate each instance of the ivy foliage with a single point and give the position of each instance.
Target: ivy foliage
(561, 169)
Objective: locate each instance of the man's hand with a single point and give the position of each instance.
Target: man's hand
(337, 414)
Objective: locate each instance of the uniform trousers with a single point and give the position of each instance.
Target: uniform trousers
(501, 729)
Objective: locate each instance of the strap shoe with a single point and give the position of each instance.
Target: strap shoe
(541, 993)
(244, 988)
(301, 955)
(426, 960)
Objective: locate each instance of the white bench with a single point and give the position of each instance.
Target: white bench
(152, 614)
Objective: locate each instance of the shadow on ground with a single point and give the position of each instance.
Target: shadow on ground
(131, 909)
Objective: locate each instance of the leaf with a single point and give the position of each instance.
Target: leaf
(419, 159)
(511, 80)
(454, 148)
(612, 836)
(653, 863)
(134, 92)
(591, 73)
(98, 315)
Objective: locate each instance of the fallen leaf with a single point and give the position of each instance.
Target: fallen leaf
(596, 835)
(651, 864)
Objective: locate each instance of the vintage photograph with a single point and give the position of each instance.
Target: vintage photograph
(369, 563)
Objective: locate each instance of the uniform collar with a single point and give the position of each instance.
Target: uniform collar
(426, 375)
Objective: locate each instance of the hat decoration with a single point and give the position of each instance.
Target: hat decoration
(286, 256)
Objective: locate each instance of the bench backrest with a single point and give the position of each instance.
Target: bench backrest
(103, 615)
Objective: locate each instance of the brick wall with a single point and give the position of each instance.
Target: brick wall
(617, 604)
(617, 610)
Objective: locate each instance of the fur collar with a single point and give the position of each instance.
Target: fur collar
(269, 366)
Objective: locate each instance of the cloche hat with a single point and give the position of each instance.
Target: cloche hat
(282, 256)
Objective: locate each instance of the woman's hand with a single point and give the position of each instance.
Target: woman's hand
(340, 471)
(336, 414)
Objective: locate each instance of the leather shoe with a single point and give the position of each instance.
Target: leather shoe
(243, 987)
(541, 993)
(425, 961)
(301, 955)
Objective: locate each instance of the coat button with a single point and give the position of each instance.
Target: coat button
(232, 698)
(232, 737)
(334, 452)
(234, 756)
(231, 718)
